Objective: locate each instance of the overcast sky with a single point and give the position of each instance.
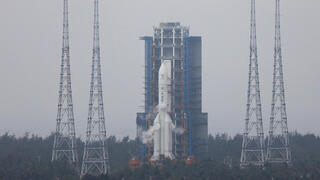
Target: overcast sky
(30, 51)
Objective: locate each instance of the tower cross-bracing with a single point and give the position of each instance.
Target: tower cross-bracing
(253, 140)
(64, 147)
(95, 157)
(278, 142)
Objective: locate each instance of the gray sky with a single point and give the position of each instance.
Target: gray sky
(30, 49)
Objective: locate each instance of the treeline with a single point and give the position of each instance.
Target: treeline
(303, 147)
(28, 158)
(210, 169)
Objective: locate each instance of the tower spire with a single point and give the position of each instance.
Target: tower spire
(95, 157)
(278, 142)
(65, 138)
(253, 140)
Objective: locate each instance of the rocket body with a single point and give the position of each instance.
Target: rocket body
(161, 131)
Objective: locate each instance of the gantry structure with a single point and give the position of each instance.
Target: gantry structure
(278, 150)
(172, 41)
(253, 136)
(64, 147)
(96, 157)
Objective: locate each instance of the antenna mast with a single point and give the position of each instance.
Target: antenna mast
(64, 146)
(278, 142)
(95, 157)
(253, 140)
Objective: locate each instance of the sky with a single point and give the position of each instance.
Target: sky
(30, 49)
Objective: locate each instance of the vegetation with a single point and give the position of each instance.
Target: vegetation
(28, 158)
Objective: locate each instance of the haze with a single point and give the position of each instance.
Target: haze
(30, 49)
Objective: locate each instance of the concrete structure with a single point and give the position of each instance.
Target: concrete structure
(171, 41)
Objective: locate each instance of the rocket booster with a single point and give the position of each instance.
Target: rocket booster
(161, 131)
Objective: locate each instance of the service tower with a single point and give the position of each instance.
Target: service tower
(171, 41)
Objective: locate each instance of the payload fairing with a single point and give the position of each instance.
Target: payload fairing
(161, 131)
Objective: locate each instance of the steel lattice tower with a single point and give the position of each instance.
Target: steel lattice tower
(64, 146)
(278, 142)
(253, 140)
(95, 157)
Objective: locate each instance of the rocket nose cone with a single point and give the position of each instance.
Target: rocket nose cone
(164, 67)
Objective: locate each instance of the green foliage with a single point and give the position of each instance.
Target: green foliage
(29, 158)
(213, 169)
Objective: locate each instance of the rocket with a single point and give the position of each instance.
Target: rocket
(161, 131)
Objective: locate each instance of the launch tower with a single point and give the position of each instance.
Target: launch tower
(171, 41)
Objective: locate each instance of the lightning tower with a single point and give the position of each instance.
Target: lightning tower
(278, 142)
(253, 140)
(64, 146)
(95, 157)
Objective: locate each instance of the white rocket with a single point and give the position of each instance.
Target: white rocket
(161, 131)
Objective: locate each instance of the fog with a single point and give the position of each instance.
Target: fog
(30, 48)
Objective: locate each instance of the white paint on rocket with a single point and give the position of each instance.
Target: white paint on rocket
(161, 131)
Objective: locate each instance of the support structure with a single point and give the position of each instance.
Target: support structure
(253, 137)
(64, 147)
(171, 41)
(278, 142)
(95, 156)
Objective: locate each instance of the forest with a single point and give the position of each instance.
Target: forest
(29, 158)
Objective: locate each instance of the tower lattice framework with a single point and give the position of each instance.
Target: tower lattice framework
(95, 157)
(64, 147)
(278, 142)
(253, 137)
